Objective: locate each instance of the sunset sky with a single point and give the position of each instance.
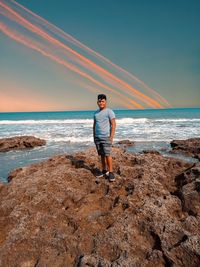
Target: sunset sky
(156, 41)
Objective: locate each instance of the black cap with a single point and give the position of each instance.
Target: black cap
(101, 96)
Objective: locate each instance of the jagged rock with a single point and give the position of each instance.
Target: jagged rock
(125, 142)
(55, 213)
(20, 142)
(190, 147)
(188, 184)
(191, 199)
(189, 175)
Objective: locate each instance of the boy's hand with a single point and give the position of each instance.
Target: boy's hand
(111, 139)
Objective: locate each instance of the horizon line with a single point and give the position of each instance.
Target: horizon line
(116, 109)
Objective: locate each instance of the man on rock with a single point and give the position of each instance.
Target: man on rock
(103, 132)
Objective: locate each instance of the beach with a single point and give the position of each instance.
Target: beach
(71, 131)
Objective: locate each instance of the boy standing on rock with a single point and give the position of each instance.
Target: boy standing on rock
(103, 133)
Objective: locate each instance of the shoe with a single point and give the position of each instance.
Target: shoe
(111, 177)
(105, 173)
(100, 174)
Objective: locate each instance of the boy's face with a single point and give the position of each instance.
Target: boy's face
(101, 103)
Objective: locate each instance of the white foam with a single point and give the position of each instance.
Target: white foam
(177, 120)
(80, 130)
(90, 121)
(74, 121)
(131, 120)
(73, 139)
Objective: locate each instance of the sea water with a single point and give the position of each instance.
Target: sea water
(71, 131)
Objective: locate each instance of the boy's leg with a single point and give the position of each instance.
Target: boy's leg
(111, 175)
(103, 162)
(109, 163)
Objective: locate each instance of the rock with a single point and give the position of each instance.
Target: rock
(1, 186)
(188, 189)
(151, 152)
(190, 147)
(191, 199)
(55, 214)
(126, 142)
(188, 176)
(20, 142)
(92, 260)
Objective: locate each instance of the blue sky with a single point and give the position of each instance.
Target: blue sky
(158, 41)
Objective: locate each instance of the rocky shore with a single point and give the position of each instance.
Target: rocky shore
(56, 213)
(20, 142)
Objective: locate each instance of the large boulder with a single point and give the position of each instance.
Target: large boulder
(56, 213)
(189, 147)
(20, 142)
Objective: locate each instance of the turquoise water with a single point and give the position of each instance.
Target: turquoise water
(147, 113)
(71, 131)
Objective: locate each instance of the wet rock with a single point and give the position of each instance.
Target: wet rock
(53, 213)
(151, 152)
(189, 147)
(126, 142)
(20, 142)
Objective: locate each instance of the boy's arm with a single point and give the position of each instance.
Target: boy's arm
(94, 124)
(113, 127)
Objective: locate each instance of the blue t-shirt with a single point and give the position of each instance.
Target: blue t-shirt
(103, 122)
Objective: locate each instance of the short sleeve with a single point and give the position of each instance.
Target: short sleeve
(111, 114)
(94, 116)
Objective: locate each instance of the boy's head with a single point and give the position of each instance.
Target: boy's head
(101, 101)
(101, 96)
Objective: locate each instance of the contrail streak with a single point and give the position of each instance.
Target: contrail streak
(74, 41)
(33, 45)
(24, 22)
(71, 39)
(113, 80)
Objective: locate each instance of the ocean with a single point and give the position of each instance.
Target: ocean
(71, 131)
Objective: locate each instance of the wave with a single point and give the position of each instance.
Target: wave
(177, 120)
(71, 121)
(89, 122)
(74, 139)
(88, 140)
(131, 120)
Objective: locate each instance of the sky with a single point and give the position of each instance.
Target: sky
(156, 41)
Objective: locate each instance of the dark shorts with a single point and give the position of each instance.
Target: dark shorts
(103, 145)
